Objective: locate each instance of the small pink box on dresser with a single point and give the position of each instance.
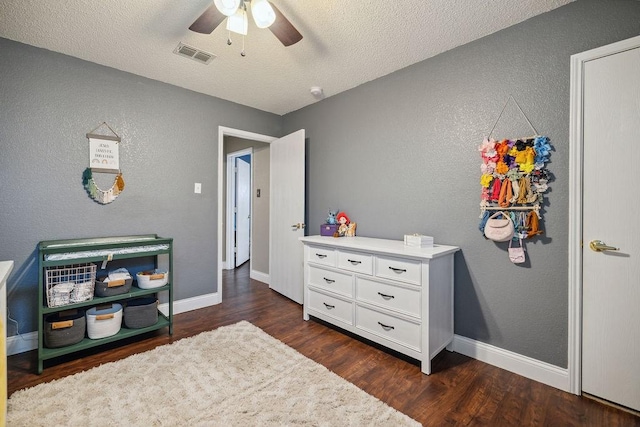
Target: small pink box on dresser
(328, 229)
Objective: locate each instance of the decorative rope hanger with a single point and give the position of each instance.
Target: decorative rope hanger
(98, 136)
(103, 157)
(511, 98)
(514, 176)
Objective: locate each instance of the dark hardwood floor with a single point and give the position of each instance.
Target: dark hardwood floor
(460, 391)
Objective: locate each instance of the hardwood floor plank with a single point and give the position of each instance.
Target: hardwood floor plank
(460, 391)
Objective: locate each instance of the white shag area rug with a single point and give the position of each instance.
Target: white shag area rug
(233, 376)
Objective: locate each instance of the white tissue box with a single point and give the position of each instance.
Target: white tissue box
(418, 240)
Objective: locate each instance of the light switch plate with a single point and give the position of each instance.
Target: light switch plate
(197, 188)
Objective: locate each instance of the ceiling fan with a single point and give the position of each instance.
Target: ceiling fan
(265, 15)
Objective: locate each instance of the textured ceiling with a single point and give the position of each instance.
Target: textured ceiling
(346, 43)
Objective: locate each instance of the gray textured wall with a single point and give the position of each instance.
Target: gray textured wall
(260, 232)
(169, 141)
(399, 155)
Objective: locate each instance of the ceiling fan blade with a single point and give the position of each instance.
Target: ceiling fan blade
(208, 21)
(283, 29)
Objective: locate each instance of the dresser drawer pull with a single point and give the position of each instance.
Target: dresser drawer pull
(385, 296)
(398, 270)
(321, 255)
(329, 306)
(385, 327)
(329, 280)
(354, 262)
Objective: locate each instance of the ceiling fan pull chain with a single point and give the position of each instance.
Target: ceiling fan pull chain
(242, 53)
(229, 39)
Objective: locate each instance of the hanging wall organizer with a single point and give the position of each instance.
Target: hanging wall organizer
(514, 178)
(103, 158)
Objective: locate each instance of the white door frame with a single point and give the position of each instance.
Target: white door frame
(222, 132)
(231, 199)
(575, 204)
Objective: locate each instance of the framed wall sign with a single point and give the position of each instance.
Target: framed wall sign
(103, 151)
(103, 154)
(103, 157)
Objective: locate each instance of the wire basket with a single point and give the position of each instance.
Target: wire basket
(70, 284)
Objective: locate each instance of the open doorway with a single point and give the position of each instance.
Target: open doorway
(279, 260)
(239, 192)
(236, 144)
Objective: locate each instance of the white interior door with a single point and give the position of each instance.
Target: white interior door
(243, 211)
(286, 221)
(611, 202)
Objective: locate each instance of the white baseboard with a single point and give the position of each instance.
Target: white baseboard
(29, 341)
(528, 367)
(189, 304)
(260, 277)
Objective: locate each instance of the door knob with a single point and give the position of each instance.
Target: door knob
(297, 226)
(599, 246)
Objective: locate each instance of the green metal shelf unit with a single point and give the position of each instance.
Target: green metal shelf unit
(99, 250)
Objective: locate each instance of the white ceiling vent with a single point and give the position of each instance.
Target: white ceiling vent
(193, 53)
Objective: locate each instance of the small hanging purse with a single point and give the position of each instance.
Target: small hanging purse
(517, 255)
(499, 229)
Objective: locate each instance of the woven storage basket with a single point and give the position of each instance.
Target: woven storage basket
(141, 312)
(64, 328)
(114, 287)
(152, 279)
(104, 321)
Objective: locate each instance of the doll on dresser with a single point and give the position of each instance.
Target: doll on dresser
(346, 227)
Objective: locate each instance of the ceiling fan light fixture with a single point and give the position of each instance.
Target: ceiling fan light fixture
(263, 13)
(238, 23)
(227, 7)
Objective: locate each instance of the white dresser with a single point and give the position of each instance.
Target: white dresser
(392, 294)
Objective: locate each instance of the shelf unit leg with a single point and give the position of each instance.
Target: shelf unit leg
(171, 293)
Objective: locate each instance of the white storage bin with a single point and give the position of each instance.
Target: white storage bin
(152, 279)
(104, 321)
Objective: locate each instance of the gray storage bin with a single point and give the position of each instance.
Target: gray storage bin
(109, 289)
(64, 328)
(141, 312)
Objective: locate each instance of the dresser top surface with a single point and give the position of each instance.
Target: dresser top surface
(369, 244)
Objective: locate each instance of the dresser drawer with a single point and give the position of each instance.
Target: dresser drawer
(355, 261)
(323, 256)
(333, 281)
(398, 298)
(405, 270)
(330, 306)
(389, 327)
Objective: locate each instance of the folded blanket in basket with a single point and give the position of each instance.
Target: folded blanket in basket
(119, 274)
